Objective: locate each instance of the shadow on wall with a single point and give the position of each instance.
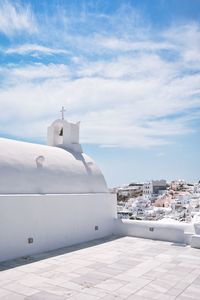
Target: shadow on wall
(79, 156)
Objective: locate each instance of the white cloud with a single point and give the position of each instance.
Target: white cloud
(16, 18)
(139, 66)
(187, 41)
(34, 49)
(128, 90)
(124, 45)
(113, 111)
(35, 71)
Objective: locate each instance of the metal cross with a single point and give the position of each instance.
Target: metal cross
(63, 112)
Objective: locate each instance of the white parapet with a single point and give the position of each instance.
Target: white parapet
(154, 230)
(195, 241)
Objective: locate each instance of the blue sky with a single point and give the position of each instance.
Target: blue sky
(128, 70)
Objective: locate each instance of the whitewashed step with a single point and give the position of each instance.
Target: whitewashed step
(195, 241)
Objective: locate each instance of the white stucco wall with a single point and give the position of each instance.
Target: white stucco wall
(53, 221)
(154, 230)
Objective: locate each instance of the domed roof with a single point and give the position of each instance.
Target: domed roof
(27, 168)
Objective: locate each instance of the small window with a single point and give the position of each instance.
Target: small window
(61, 132)
(30, 240)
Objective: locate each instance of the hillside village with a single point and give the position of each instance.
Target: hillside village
(159, 200)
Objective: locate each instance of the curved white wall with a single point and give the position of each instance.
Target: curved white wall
(27, 168)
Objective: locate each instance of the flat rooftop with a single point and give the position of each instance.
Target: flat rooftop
(111, 268)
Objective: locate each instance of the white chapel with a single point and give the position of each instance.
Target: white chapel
(52, 195)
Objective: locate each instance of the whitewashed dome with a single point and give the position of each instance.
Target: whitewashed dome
(27, 168)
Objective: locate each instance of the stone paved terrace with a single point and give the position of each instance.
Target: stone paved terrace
(114, 268)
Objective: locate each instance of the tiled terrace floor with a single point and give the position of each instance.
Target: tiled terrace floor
(117, 268)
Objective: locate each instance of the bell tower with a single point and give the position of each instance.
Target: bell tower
(64, 134)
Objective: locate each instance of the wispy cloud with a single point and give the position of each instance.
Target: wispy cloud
(125, 45)
(16, 18)
(34, 49)
(37, 71)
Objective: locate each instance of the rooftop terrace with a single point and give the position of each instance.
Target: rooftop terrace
(112, 268)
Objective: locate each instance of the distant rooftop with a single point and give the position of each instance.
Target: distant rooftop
(111, 268)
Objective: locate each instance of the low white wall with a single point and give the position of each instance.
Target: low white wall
(53, 221)
(153, 230)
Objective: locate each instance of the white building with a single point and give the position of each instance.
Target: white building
(147, 189)
(197, 188)
(154, 187)
(178, 184)
(51, 196)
